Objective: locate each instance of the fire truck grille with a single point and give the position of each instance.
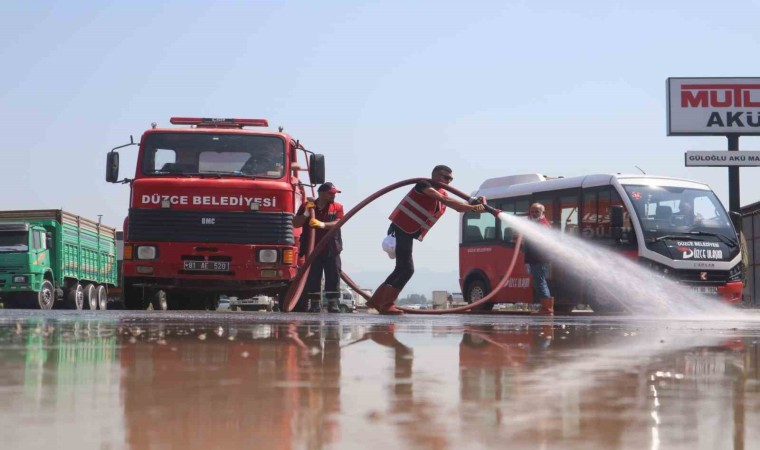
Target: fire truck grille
(166, 225)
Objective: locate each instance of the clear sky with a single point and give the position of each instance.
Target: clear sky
(386, 90)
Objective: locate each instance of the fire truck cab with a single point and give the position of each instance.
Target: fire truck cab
(210, 213)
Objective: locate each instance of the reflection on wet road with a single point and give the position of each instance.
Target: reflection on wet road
(216, 380)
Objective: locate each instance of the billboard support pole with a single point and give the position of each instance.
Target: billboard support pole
(734, 202)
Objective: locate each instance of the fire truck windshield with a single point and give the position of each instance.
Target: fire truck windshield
(215, 155)
(677, 211)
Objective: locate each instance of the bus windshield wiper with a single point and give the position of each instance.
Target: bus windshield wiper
(692, 236)
(684, 237)
(725, 239)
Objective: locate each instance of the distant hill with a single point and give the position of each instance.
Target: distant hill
(423, 282)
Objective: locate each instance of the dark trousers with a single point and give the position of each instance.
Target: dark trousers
(404, 262)
(330, 267)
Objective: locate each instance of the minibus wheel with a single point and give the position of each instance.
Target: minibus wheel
(477, 289)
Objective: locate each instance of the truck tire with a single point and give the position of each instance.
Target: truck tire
(280, 294)
(46, 296)
(343, 308)
(75, 297)
(90, 297)
(102, 295)
(213, 302)
(477, 289)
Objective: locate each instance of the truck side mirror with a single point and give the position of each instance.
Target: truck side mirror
(112, 167)
(48, 241)
(316, 168)
(616, 221)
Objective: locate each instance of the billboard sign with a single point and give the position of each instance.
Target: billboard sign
(713, 106)
(722, 158)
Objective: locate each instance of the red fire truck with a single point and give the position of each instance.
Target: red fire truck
(211, 211)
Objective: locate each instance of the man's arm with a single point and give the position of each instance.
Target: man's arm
(301, 216)
(314, 223)
(456, 205)
(338, 218)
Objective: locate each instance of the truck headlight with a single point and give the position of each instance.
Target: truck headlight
(146, 252)
(267, 255)
(20, 279)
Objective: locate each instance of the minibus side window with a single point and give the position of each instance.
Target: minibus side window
(478, 227)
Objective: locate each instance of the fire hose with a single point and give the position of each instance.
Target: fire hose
(297, 286)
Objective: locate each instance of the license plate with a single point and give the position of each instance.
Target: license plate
(215, 266)
(705, 289)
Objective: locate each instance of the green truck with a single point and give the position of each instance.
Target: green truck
(54, 258)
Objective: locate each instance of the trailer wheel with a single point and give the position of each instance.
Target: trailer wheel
(75, 297)
(46, 296)
(159, 301)
(90, 297)
(477, 289)
(102, 298)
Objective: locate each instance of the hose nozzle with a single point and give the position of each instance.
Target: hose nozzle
(490, 209)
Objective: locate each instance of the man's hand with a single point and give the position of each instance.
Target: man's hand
(477, 208)
(314, 223)
(477, 200)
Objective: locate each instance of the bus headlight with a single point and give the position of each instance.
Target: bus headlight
(267, 255)
(735, 274)
(146, 252)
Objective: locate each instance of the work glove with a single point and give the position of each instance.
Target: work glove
(314, 223)
(310, 204)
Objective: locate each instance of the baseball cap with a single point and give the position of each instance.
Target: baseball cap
(328, 187)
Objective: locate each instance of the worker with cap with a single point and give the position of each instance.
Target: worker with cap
(417, 212)
(327, 214)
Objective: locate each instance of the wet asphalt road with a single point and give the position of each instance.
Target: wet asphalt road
(145, 380)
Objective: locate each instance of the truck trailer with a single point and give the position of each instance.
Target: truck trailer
(55, 258)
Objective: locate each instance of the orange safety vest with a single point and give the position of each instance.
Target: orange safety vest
(418, 212)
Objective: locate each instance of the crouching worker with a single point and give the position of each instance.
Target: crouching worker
(327, 213)
(412, 219)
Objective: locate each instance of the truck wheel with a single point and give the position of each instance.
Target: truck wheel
(46, 295)
(75, 297)
(213, 302)
(343, 308)
(90, 297)
(102, 296)
(476, 289)
(280, 294)
(159, 301)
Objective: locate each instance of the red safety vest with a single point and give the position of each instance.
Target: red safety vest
(418, 212)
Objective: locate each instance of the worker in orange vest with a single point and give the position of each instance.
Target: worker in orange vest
(417, 212)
